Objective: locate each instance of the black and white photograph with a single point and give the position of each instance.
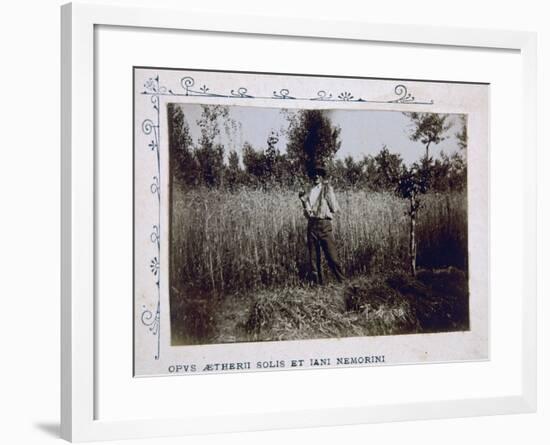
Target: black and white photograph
(329, 222)
(307, 223)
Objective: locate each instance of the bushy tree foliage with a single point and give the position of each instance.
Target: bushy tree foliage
(208, 153)
(447, 172)
(462, 134)
(255, 164)
(386, 167)
(234, 175)
(429, 128)
(183, 163)
(312, 139)
(267, 167)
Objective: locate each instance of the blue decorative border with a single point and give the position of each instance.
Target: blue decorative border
(152, 88)
(152, 127)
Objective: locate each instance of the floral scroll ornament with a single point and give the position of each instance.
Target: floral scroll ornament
(188, 88)
(150, 317)
(151, 127)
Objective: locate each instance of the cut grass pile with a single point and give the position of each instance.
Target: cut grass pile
(434, 301)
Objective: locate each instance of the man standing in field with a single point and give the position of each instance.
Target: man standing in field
(320, 205)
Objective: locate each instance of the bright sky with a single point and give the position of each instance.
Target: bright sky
(364, 132)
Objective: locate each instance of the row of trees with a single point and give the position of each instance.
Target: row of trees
(311, 139)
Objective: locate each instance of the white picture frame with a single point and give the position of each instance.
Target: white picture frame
(79, 419)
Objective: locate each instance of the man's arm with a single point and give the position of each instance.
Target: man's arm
(331, 200)
(305, 204)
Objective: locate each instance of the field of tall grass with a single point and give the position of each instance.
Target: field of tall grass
(222, 241)
(241, 255)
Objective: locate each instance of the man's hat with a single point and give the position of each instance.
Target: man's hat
(319, 169)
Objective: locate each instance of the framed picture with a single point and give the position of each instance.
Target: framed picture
(228, 213)
(299, 221)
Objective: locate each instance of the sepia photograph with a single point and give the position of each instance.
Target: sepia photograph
(288, 221)
(307, 223)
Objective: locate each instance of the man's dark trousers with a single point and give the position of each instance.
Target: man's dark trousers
(320, 236)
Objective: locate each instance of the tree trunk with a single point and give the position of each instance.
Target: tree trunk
(412, 235)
